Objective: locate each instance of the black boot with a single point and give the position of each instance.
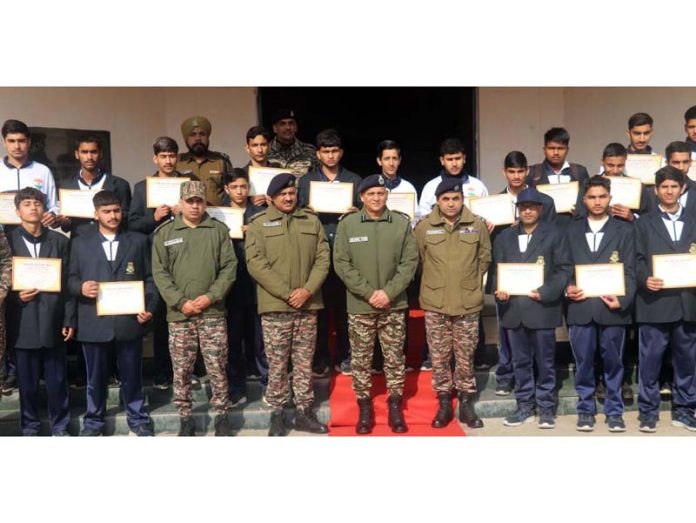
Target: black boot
(188, 427)
(444, 411)
(366, 419)
(396, 415)
(306, 421)
(467, 414)
(277, 424)
(223, 427)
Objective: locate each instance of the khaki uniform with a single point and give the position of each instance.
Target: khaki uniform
(453, 260)
(5, 284)
(209, 171)
(300, 157)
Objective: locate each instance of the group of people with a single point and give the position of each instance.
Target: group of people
(260, 305)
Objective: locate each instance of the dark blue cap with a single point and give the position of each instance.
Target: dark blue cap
(281, 181)
(283, 114)
(374, 180)
(530, 195)
(448, 185)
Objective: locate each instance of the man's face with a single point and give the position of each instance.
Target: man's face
(165, 162)
(89, 155)
(668, 192)
(597, 201)
(690, 128)
(238, 191)
(374, 200)
(192, 209)
(640, 136)
(109, 216)
(17, 145)
(530, 212)
(286, 200)
(197, 141)
(453, 163)
(285, 130)
(330, 156)
(30, 211)
(614, 165)
(257, 148)
(389, 162)
(555, 153)
(515, 177)
(450, 204)
(681, 161)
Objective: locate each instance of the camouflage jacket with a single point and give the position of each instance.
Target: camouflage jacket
(300, 157)
(5, 266)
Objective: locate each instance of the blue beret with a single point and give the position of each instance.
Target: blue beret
(374, 180)
(281, 181)
(448, 185)
(530, 195)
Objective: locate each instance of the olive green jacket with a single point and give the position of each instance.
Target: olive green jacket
(188, 262)
(453, 260)
(377, 254)
(285, 252)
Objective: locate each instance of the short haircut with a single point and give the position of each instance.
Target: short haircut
(29, 193)
(639, 119)
(165, 144)
(451, 146)
(597, 181)
(328, 138)
(515, 160)
(257, 130)
(614, 149)
(15, 127)
(690, 114)
(669, 173)
(103, 198)
(235, 175)
(386, 145)
(557, 134)
(676, 147)
(88, 138)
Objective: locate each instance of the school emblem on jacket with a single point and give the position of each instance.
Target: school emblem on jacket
(614, 258)
(540, 260)
(692, 248)
(130, 268)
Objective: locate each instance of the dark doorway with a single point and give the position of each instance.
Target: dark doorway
(418, 118)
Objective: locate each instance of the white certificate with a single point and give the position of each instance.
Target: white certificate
(402, 201)
(643, 167)
(601, 279)
(8, 214)
(498, 209)
(76, 203)
(43, 274)
(692, 170)
(260, 177)
(675, 270)
(120, 297)
(626, 191)
(330, 197)
(233, 218)
(565, 195)
(519, 279)
(163, 191)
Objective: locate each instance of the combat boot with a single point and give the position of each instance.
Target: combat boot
(467, 414)
(396, 415)
(306, 421)
(223, 427)
(188, 427)
(444, 411)
(277, 424)
(366, 418)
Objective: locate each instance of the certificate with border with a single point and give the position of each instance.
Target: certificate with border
(402, 201)
(677, 271)
(260, 177)
(43, 274)
(519, 279)
(498, 209)
(643, 167)
(601, 279)
(626, 191)
(230, 216)
(76, 203)
(8, 214)
(163, 191)
(120, 297)
(331, 197)
(565, 195)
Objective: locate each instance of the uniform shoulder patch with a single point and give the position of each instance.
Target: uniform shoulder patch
(257, 215)
(352, 211)
(162, 226)
(402, 214)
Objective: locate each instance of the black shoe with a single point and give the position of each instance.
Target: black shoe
(627, 392)
(321, 373)
(277, 424)
(114, 382)
(396, 416)
(162, 383)
(616, 424)
(427, 365)
(61, 433)
(188, 427)
(444, 411)
(585, 423)
(503, 389)
(647, 423)
(9, 385)
(89, 433)
(467, 414)
(223, 427)
(238, 398)
(665, 391)
(600, 392)
(144, 430)
(366, 418)
(546, 420)
(306, 421)
(195, 382)
(685, 421)
(78, 383)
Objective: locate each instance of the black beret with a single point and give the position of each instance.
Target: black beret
(281, 181)
(448, 185)
(283, 114)
(374, 180)
(530, 195)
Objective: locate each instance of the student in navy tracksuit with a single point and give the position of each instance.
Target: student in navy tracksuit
(665, 315)
(40, 322)
(108, 256)
(530, 321)
(600, 323)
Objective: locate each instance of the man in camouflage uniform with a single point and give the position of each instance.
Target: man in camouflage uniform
(5, 284)
(376, 256)
(455, 252)
(286, 149)
(194, 266)
(288, 256)
(207, 166)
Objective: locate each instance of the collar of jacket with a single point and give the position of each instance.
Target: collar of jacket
(631, 150)
(386, 216)
(274, 214)
(30, 237)
(23, 166)
(445, 176)
(180, 224)
(100, 174)
(436, 218)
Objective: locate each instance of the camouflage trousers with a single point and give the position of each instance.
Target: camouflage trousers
(447, 335)
(3, 343)
(289, 336)
(391, 329)
(184, 339)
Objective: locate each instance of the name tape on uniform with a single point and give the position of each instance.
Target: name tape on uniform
(435, 231)
(357, 239)
(272, 224)
(173, 242)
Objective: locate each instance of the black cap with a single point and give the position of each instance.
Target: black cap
(374, 180)
(448, 185)
(282, 114)
(281, 181)
(530, 195)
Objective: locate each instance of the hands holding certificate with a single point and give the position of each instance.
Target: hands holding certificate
(505, 296)
(577, 294)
